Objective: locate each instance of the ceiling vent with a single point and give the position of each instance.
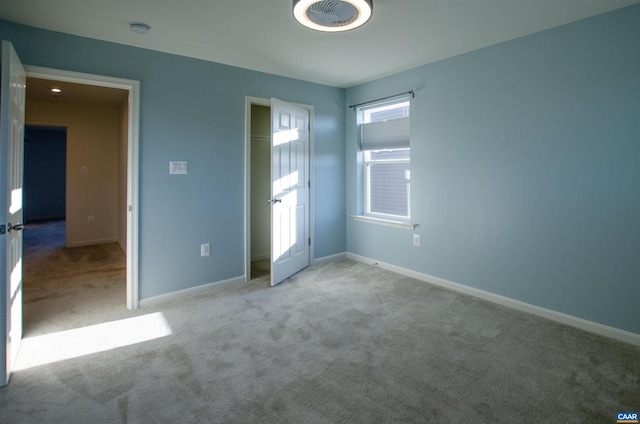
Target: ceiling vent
(332, 15)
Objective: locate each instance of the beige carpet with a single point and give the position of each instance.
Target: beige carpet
(261, 269)
(340, 342)
(69, 288)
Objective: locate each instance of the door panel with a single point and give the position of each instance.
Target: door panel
(289, 190)
(13, 92)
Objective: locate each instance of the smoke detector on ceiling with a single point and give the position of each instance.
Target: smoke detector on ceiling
(332, 15)
(139, 27)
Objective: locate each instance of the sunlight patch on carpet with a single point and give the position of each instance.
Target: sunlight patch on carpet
(69, 344)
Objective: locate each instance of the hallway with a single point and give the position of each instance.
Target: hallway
(69, 288)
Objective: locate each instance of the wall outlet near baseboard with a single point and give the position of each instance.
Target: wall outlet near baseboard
(205, 249)
(416, 240)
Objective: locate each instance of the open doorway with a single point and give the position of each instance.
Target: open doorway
(260, 170)
(45, 164)
(13, 110)
(75, 204)
(278, 189)
(95, 122)
(130, 139)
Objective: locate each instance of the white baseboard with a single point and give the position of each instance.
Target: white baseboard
(570, 320)
(192, 291)
(35, 219)
(260, 257)
(92, 242)
(330, 258)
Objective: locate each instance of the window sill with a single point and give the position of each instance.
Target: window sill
(387, 222)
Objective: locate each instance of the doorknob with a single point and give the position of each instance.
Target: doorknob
(16, 227)
(275, 200)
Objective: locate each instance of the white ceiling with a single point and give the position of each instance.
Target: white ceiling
(262, 34)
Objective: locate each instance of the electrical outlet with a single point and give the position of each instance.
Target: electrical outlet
(90, 219)
(205, 249)
(416, 240)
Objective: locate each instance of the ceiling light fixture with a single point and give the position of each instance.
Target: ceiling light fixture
(139, 27)
(332, 15)
(56, 90)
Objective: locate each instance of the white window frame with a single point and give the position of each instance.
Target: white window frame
(364, 116)
(367, 185)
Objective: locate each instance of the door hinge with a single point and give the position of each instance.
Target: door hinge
(309, 183)
(309, 241)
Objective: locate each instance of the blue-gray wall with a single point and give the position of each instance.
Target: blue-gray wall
(525, 173)
(525, 164)
(45, 165)
(195, 110)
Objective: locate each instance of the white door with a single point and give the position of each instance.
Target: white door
(12, 104)
(289, 190)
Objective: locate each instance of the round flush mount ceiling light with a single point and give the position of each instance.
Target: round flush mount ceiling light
(332, 15)
(56, 92)
(139, 27)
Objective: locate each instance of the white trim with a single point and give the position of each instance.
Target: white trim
(78, 77)
(330, 258)
(570, 320)
(387, 222)
(312, 180)
(133, 217)
(193, 291)
(249, 100)
(92, 242)
(133, 87)
(260, 257)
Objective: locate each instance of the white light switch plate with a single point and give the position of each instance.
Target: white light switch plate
(178, 167)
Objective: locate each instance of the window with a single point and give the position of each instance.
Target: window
(384, 131)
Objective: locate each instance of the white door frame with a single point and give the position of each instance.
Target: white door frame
(247, 180)
(133, 87)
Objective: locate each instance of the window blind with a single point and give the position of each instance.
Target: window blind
(389, 188)
(391, 134)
